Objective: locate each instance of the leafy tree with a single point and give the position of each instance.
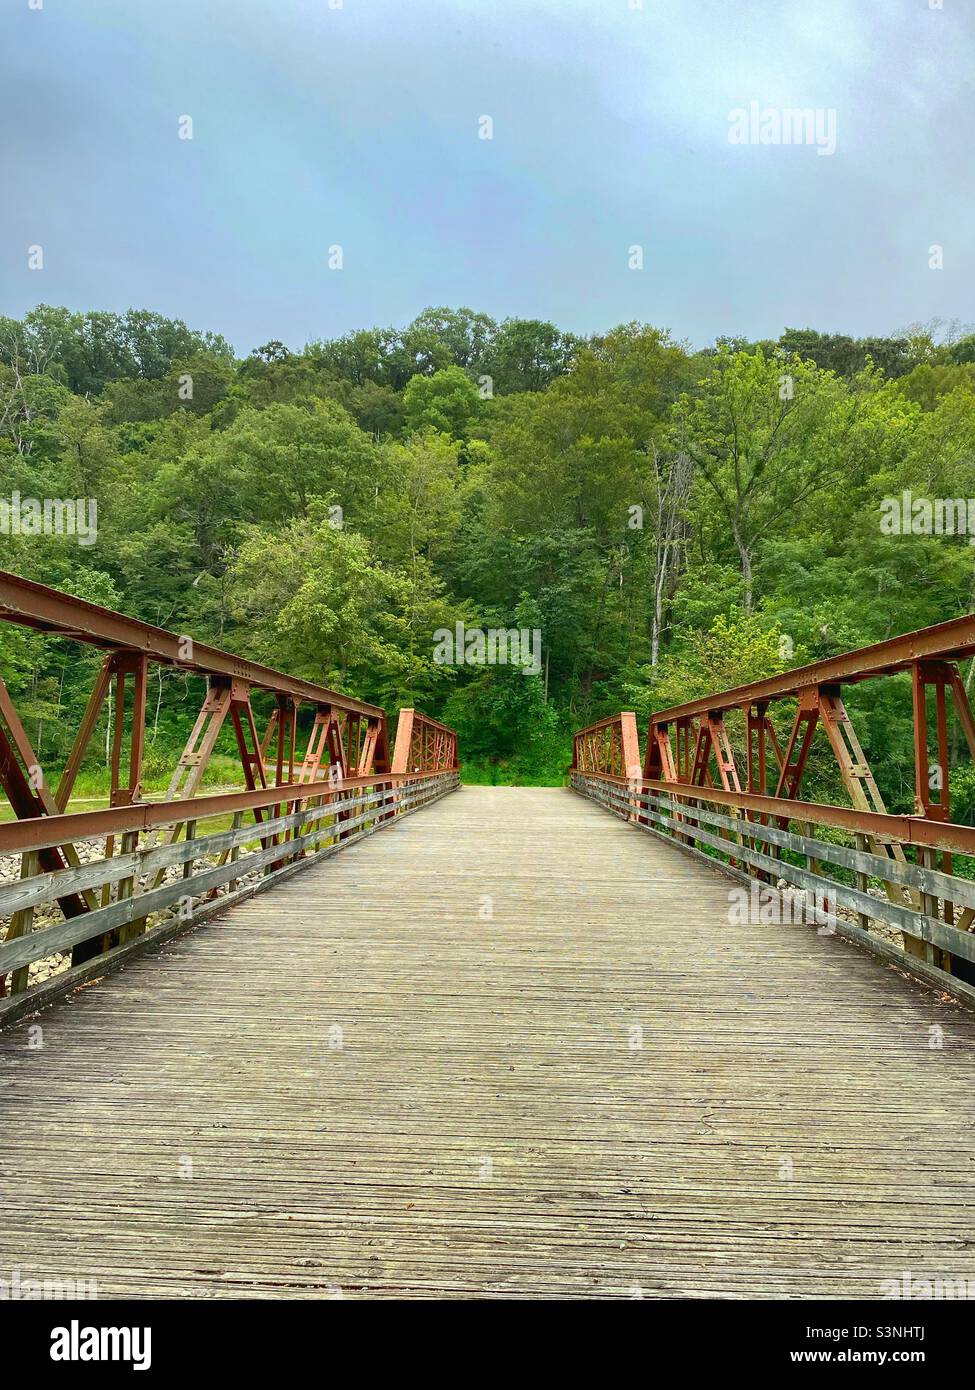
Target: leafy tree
(376, 409)
(94, 348)
(732, 651)
(374, 354)
(669, 521)
(929, 382)
(274, 351)
(505, 726)
(765, 434)
(446, 401)
(448, 337)
(315, 598)
(527, 355)
(963, 351)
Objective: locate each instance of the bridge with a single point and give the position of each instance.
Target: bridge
(354, 1030)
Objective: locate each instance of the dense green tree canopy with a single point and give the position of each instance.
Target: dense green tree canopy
(667, 521)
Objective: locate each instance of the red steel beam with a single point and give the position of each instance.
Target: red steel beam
(48, 610)
(950, 641)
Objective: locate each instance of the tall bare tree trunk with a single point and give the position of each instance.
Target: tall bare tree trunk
(671, 497)
(745, 554)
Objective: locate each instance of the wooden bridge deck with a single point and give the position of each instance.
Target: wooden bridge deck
(487, 1126)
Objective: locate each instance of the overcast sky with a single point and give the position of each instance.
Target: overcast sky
(359, 126)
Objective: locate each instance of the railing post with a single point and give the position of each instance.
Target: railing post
(237, 823)
(126, 888)
(190, 835)
(22, 922)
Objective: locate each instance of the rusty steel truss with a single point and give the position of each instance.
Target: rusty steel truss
(423, 744)
(689, 743)
(317, 746)
(610, 746)
(752, 776)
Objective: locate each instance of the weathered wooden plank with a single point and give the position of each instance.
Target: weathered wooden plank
(54, 988)
(782, 1123)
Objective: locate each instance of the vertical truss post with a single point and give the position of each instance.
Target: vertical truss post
(796, 755)
(250, 753)
(404, 741)
(700, 775)
(723, 754)
(284, 769)
(727, 771)
(136, 667)
(683, 731)
(122, 667)
(248, 741)
(286, 710)
(682, 765)
(315, 750)
(370, 747)
(335, 743)
(756, 772)
(193, 761)
(938, 675)
(761, 737)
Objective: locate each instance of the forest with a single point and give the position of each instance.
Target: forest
(670, 521)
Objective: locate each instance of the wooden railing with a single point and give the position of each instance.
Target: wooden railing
(157, 885)
(712, 762)
(828, 854)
